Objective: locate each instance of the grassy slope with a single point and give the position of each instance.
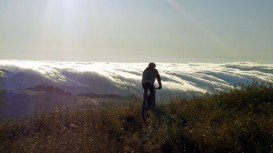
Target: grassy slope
(240, 120)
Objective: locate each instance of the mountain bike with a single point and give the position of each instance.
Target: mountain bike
(148, 104)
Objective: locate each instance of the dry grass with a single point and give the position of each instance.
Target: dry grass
(239, 120)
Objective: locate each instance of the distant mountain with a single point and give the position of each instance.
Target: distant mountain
(103, 96)
(15, 103)
(18, 102)
(49, 89)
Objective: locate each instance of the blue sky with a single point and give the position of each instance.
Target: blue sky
(137, 30)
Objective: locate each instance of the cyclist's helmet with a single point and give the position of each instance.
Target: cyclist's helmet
(152, 65)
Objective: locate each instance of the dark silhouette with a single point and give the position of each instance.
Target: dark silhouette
(148, 79)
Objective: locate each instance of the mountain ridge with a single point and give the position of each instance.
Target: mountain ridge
(19, 102)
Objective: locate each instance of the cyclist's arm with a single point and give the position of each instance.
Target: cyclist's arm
(159, 81)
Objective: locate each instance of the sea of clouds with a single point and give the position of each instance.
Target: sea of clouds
(179, 79)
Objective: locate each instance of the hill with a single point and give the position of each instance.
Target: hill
(16, 103)
(239, 120)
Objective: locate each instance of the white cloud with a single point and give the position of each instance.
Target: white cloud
(124, 78)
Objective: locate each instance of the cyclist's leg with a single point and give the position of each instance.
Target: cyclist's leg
(145, 97)
(144, 105)
(144, 102)
(153, 100)
(152, 97)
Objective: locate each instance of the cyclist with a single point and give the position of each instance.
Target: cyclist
(148, 79)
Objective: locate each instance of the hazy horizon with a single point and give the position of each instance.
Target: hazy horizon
(167, 60)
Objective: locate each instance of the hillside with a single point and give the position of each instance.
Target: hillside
(17, 103)
(239, 120)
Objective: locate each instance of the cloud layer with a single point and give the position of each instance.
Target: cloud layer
(125, 78)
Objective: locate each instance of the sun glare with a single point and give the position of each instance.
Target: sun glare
(60, 20)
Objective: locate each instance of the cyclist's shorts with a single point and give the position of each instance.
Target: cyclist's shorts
(149, 86)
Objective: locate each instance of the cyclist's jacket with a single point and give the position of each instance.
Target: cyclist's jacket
(150, 74)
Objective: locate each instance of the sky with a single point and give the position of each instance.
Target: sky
(137, 30)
